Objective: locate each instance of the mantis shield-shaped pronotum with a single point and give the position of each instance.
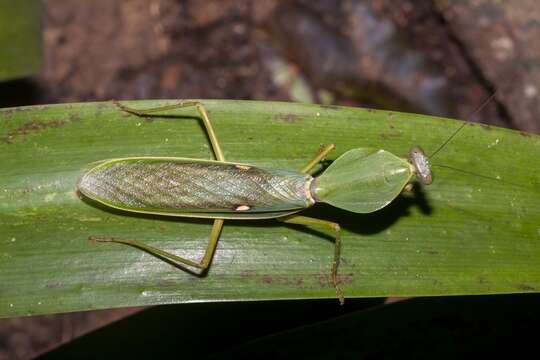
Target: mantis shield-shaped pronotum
(362, 180)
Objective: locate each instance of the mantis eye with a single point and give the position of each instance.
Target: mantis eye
(420, 162)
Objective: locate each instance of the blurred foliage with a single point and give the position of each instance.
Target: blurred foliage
(20, 38)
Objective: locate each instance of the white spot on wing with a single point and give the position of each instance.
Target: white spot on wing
(242, 167)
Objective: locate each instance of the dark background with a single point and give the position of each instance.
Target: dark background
(438, 57)
(435, 56)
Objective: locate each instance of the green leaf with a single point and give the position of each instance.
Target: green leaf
(473, 231)
(20, 38)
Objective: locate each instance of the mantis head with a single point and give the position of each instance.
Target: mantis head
(420, 163)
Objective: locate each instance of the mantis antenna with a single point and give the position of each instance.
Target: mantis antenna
(483, 105)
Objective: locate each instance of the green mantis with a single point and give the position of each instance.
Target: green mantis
(361, 180)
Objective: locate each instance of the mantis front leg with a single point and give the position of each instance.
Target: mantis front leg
(304, 220)
(182, 104)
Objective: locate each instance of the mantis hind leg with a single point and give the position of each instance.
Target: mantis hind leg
(304, 220)
(218, 223)
(182, 104)
(201, 265)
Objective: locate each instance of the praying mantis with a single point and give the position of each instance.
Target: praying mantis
(362, 180)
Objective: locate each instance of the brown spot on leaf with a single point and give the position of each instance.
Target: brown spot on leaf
(31, 127)
(53, 285)
(12, 111)
(331, 107)
(326, 279)
(391, 134)
(74, 117)
(486, 127)
(7, 114)
(289, 118)
(296, 281)
(526, 287)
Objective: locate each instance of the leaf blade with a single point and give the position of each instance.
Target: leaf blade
(442, 241)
